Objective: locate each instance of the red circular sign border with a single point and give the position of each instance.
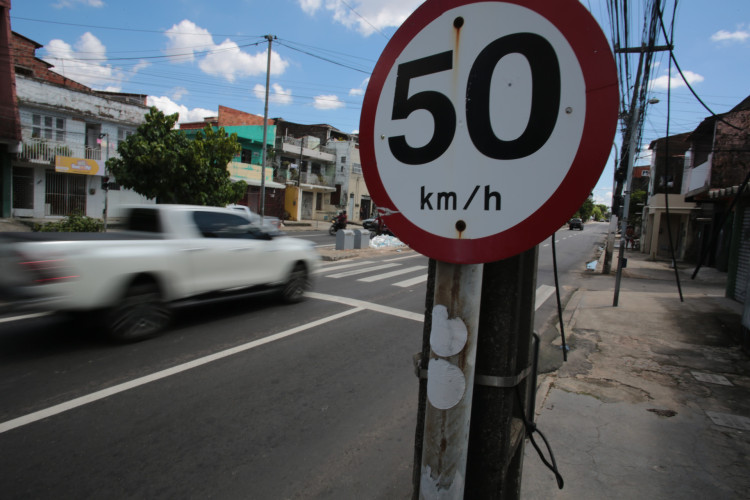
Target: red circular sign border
(600, 75)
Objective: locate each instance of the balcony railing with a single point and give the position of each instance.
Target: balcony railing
(292, 146)
(44, 151)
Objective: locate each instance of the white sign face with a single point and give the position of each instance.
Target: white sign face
(486, 124)
(490, 195)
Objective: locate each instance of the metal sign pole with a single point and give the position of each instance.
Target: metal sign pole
(450, 379)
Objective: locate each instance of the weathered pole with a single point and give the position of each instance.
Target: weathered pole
(501, 391)
(450, 380)
(262, 203)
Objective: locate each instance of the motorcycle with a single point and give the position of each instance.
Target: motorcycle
(335, 226)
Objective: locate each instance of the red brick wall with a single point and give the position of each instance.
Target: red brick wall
(10, 125)
(24, 58)
(232, 117)
(731, 160)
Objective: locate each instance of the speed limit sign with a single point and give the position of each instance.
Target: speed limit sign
(487, 123)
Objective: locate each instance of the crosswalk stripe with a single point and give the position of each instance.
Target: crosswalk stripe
(338, 267)
(404, 257)
(361, 271)
(411, 282)
(391, 274)
(543, 292)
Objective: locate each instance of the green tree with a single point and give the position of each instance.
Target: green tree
(597, 213)
(584, 213)
(161, 162)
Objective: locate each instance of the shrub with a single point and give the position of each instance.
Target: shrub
(75, 223)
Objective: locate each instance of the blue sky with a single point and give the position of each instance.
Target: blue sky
(190, 56)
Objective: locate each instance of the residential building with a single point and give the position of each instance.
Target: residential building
(665, 192)
(717, 169)
(247, 165)
(68, 131)
(320, 165)
(354, 193)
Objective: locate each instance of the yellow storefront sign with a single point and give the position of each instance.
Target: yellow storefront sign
(84, 166)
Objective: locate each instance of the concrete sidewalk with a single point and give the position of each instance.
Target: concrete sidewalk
(654, 401)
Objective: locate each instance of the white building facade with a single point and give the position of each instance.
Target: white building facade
(68, 134)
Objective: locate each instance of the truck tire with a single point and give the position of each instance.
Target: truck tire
(141, 314)
(296, 285)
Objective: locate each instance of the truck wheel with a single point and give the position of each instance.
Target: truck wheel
(297, 284)
(141, 314)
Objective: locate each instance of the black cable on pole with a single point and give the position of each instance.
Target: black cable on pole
(676, 65)
(531, 428)
(559, 304)
(669, 41)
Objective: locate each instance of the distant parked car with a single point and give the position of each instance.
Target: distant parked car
(369, 224)
(271, 224)
(575, 223)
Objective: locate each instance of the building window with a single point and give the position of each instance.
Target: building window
(343, 159)
(319, 201)
(48, 127)
(123, 134)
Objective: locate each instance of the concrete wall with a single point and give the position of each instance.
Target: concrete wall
(75, 103)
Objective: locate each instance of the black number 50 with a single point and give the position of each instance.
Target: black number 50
(545, 101)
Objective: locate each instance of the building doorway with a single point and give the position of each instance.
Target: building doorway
(65, 194)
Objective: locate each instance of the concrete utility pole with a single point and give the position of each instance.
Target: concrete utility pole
(501, 393)
(488, 461)
(262, 203)
(450, 385)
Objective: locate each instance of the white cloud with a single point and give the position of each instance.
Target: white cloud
(64, 4)
(361, 89)
(188, 42)
(738, 36)
(178, 93)
(168, 107)
(602, 199)
(185, 39)
(327, 102)
(141, 65)
(663, 83)
(85, 63)
(365, 16)
(278, 94)
(310, 6)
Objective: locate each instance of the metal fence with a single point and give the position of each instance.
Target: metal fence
(65, 194)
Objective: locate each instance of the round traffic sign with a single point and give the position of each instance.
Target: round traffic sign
(486, 124)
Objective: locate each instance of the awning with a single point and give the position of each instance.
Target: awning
(256, 182)
(317, 187)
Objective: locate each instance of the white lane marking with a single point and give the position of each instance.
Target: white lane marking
(25, 316)
(405, 257)
(543, 292)
(346, 274)
(401, 313)
(104, 393)
(358, 305)
(411, 282)
(325, 269)
(391, 274)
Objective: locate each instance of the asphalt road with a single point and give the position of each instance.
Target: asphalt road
(241, 399)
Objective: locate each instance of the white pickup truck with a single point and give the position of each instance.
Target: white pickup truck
(167, 254)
